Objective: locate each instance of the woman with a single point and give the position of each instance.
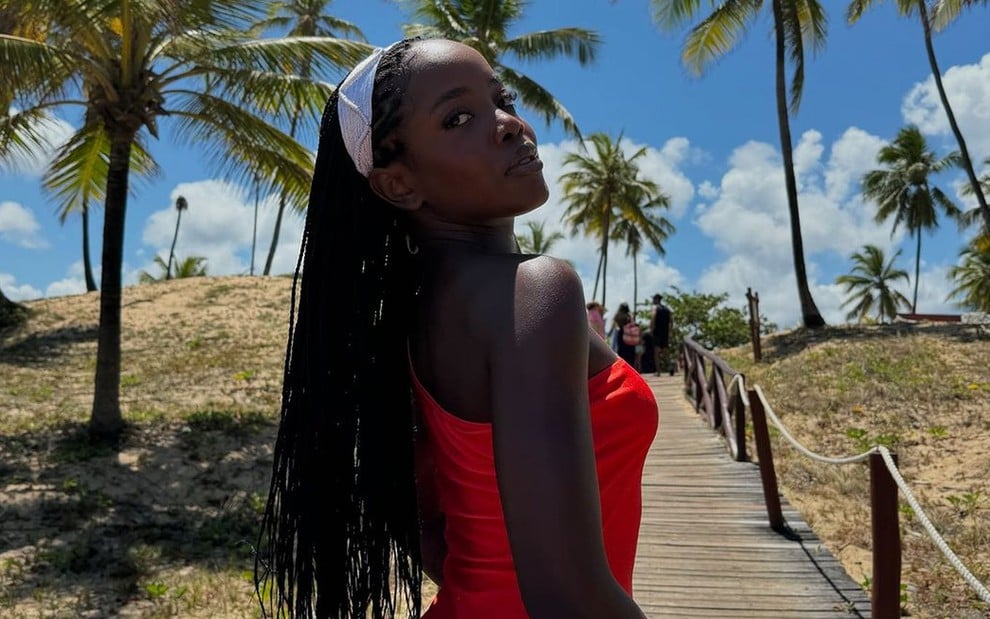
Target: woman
(490, 483)
(622, 343)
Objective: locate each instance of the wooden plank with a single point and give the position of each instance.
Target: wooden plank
(706, 548)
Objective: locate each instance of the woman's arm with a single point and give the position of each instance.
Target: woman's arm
(544, 453)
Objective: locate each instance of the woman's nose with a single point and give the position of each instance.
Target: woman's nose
(507, 125)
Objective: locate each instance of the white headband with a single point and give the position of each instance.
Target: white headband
(354, 110)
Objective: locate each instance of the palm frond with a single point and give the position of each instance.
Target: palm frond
(539, 99)
(718, 33)
(550, 44)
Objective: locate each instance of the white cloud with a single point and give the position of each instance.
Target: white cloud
(19, 226)
(15, 292)
(218, 225)
(968, 90)
(73, 283)
(748, 219)
(54, 132)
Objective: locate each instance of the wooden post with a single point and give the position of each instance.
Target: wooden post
(886, 590)
(768, 474)
(753, 299)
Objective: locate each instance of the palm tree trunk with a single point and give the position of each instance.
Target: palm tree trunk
(605, 250)
(106, 420)
(598, 273)
(278, 228)
(281, 203)
(810, 316)
(87, 262)
(10, 313)
(917, 272)
(963, 151)
(254, 233)
(171, 251)
(635, 284)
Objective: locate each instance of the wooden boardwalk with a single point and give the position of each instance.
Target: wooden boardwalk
(705, 548)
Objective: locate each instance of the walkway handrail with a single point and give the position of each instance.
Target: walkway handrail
(885, 478)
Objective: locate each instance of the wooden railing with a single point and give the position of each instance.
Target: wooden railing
(721, 397)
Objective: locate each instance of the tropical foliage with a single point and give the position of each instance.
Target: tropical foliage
(536, 240)
(707, 320)
(302, 18)
(485, 25)
(870, 285)
(128, 64)
(798, 25)
(192, 266)
(945, 12)
(902, 190)
(972, 276)
(602, 188)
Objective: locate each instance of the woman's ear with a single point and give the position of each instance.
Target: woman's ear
(392, 184)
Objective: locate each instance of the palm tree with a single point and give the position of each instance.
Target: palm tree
(485, 26)
(180, 205)
(139, 61)
(972, 276)
(869, 285)
(945, 12)
(538, 241)
(901, 189)
(193, 266)
(303, 18)
(602, 188)
(639, 224)
(77, 177)
(797, 25)
(975, 216)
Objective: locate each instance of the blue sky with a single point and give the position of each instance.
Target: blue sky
(712, 145)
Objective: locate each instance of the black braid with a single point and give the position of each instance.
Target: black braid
(340, 534)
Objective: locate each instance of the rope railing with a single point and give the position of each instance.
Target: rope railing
(888, 459)
(886, 536)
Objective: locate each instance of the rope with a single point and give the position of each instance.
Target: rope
(979, 587)
(780, 426)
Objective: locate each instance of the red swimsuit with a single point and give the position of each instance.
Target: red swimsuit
(479, 577)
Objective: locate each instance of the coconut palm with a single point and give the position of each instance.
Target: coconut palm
(639, 225)
(974, 216)
(868, 286)
(798, 24)
(77, 178)
(537, 241)
(602, 187)
(948, 11)
(190, 60)
(972, 276)
(902, 189)
(485, 26)
(944, 12)
(192, 266)
(181, 204)
(302, 18)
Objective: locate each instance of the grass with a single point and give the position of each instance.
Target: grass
(922, 391)
(164, 525)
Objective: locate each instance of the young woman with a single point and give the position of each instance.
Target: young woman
(510, 475)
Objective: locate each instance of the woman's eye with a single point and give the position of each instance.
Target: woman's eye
(456, 120)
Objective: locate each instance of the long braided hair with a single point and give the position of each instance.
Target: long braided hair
(340, 533)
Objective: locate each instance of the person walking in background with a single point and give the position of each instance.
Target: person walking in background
(596, 318)
(625, 334)
(511, 476)
(661, 325)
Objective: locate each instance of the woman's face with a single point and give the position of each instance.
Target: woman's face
(468, 155)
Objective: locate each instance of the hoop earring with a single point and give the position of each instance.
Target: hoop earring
(413, 250)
